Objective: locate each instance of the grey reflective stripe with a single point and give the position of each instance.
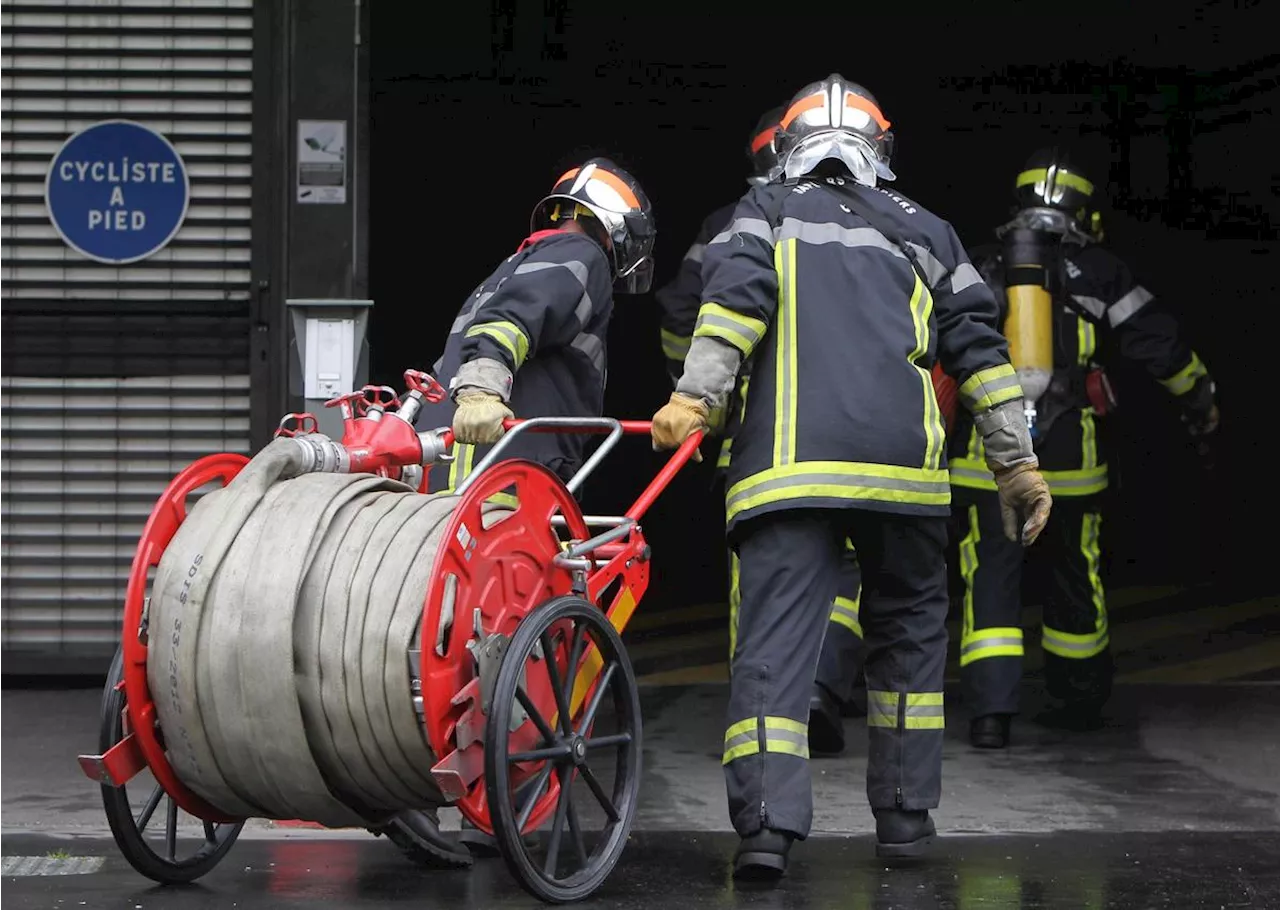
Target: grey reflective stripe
(988, 387)
(971, 474)
(810, 232)
(989, 642)
(838, 480)
(742, 739)
(1049, 636)
(786, 353)
(773, 733)
(516, 339)
(579, 270)
(1129, 304)
(882, 709)
(965, 276)
(925, 710)
(593, 347)
(465, 317)
(934, 271)
(695, 252)
(730, 325)
(1093, 305)
(757, 227)
(1073, 482)
(838, 607)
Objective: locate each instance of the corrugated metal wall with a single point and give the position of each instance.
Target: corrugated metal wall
(114, 378)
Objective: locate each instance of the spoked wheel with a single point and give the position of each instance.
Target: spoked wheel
(585, 742)
(155, 836)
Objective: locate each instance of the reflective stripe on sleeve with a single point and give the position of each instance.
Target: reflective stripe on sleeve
(1183, 381)
(579, 271)
(507, 334)
(756, 227)
(716, 321)
(988, 388)
(695, 252)
(1130, 303)
(972, 474)
(964, 277)
(675, 347)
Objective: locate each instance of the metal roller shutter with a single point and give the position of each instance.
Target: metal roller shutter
(114, 377)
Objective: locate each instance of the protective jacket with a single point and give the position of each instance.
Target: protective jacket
(678, 301)
(544, 313)
(844, 329)
(1102, 298)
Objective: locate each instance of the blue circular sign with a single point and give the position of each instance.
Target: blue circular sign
(117, 192)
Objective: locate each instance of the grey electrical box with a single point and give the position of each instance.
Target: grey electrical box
(332, 351)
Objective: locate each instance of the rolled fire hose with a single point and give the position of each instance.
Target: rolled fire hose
(280, 622)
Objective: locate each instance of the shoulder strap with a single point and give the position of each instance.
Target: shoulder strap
(878, 221)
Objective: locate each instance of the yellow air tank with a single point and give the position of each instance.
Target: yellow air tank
(1030, 273)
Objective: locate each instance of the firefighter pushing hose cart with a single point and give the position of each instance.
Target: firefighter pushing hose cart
(321, 641)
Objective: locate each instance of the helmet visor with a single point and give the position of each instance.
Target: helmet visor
(852, 151)
(636, 280)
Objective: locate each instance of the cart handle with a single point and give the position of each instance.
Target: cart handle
(593, 425)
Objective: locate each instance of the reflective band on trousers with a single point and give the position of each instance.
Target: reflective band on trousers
(985, 643)
(845, 612)
(1073, 646)
(779, 735)
(921, 711)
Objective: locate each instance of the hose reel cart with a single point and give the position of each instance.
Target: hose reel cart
(315, 638)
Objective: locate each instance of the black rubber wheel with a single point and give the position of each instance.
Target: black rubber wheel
(573, 752)
(129, 830)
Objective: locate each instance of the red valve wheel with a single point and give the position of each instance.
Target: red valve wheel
(380, 396)
(303, 424)
(504, 571)
(169, 512)
(425, 385)
(353, 404)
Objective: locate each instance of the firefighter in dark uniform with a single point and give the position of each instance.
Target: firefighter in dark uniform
(678, 303)
(844, 294)
(1094, 295)
(530, 341)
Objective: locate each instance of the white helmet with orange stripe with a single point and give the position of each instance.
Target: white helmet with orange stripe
(837, 120)
(601, 192)
(762, 146)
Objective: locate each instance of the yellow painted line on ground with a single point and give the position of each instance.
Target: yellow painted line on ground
(661, 647)
(660, 619)
(1131, 597)
(709, 673)
(1131, 635)
(1228, 665)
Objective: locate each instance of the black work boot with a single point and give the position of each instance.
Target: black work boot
(990, 731)
(763, 855)
(417, 833)
(479, 844)
(902, 833)
(826, 729)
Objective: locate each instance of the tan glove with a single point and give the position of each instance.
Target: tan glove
(1024, 496)
(677, 420)
(478, 419)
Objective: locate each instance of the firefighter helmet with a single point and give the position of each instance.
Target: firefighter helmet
(615, 212)
(762, 146)
(838, 120)
(1054, 195)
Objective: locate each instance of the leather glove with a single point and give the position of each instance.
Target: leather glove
(677, 420)
(1024, 497)
(478, 419)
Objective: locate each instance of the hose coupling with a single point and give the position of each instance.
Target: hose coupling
(320, 454)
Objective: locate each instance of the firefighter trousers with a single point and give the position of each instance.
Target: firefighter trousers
(1074, 633)
(789, 572)
(842, 648)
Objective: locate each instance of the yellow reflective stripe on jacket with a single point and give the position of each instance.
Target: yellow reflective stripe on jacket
(919, 710)
(1086, 340)
(716, 321)
(781, 736)
(935, 433)
(990, 387)
(1183, 381)
(786, 391)
(973, 475)
(507, 334)
(675, 347)
(839, 480)
(464, 457)
(845, 612)
(735, 600)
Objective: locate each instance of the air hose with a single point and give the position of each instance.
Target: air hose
(280, 624)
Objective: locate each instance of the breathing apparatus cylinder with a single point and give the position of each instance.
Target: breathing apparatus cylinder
(1031, 270)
